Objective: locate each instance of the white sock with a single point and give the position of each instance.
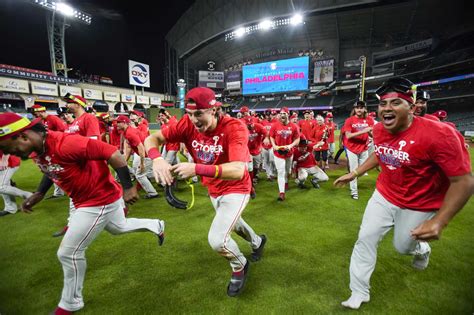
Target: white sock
(355, 301)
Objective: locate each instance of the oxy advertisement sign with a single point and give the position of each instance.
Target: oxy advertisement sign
(111, 96)
(138, 73)
(13, 85)
(44, 88)
(93, 94)
(64, 89)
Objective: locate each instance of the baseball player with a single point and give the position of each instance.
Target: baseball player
(53, 123)
(305, 164)
(306, 125)
(79, 166)
(267, 151)
(331, 128)
(170, 151)
(84, 124)
(357, 129)
(143, 165)
(425, 180)
(218, 145)
(245, 112)
(9, 164)
(421, 105)
(320, 142)
(284, 136)
(257, 136)
(294, 118)
(67, 117)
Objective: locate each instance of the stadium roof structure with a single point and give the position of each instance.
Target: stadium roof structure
(333, 25)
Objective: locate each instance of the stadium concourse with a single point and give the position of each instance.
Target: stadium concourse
(329, 139)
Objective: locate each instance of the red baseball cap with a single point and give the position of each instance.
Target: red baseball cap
(441, 114)
(38, 108)
(329, 115)
(294, 115)
(273, 112)
(76, 99)
(138, 113)
(244, 109)
(373, 114)
(285, 110)
(12, 124)
(123, 119)
(200, 98)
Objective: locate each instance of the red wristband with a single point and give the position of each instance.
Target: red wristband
(205, 170)
(153, 153)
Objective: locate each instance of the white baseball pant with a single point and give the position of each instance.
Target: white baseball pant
(379, 218)
(255, 162)
(9, 192)
(171, 157)
(142, 178)
(268, 162)
(332, 148)
(228, 218)
(85, 225)
(355, 160)
(314, 171)
(283, 167)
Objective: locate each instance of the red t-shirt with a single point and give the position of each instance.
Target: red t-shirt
(307, 127)
(331, 128)
(13, 161)
(133, 138)
(114, 134)
(304, 159)
(78, 165)
(171, 146)
(143, 128)
(359, 143)
(267, 125)
(256, 137)
(417, 162)
(284, 135)
(320, 133)
(86, 125)
(54, 123)
(226, 143)
(431, 117)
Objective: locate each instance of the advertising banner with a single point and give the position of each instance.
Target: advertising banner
(33, 74)
(141, 99)
(138, 73)
(233, 79)
(14, 85)
(128, 98)
(323, 71)
(155, 100)
(111, 96)
(276, 76)
(64, 89)
(44, 88)
(92, 94)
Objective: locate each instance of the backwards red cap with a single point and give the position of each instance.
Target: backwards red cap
(123, 119)
(200, 98)
(12, 124)
(244, 109)
(285, 110)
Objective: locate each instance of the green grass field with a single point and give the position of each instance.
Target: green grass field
(304, 269)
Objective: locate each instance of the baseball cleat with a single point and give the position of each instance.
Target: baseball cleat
(258, 253)
(237, 281)
(149, 196)
(315, 184)
(420, 262)
(253, 194)
(62, 232)
(355, 301)
(61, 311)
(161, 235)
(355, 197)
(281, 197)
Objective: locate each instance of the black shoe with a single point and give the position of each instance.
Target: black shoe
(161, 236)
(258, 253)
(314, 181)
(237, 281)
(253, 194)
(4, 213)
(62, 232)
(148, 196)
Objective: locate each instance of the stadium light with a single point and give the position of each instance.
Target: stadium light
(240, 32)
(65, 9)
(296, 19)
(265, 25)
